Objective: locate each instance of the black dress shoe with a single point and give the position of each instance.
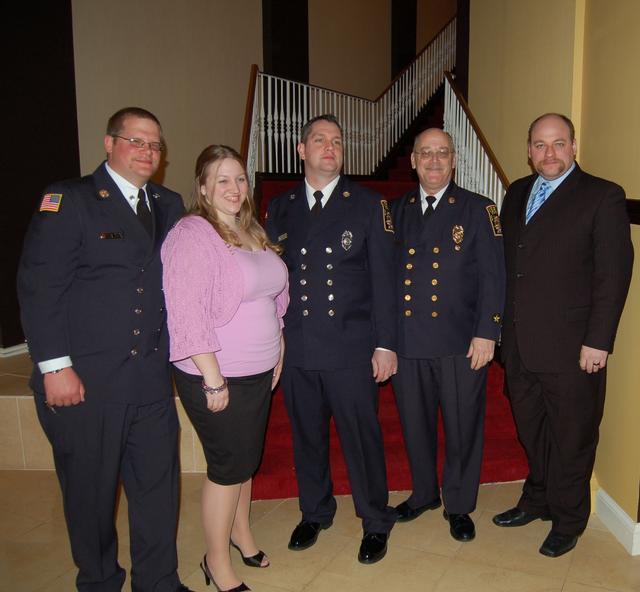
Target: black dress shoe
(373, 547)
(557, 544)
(460, 526)
(516, 517)
(405, 513)
(306, 534)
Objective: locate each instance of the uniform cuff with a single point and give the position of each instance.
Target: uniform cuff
(55, 364)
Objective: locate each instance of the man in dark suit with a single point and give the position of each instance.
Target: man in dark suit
(450, 290)
(339, 334)
(569, 257)
(92, 308)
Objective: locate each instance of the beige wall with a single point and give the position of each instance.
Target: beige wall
(432, 16)
(610, 128)
(350, 45)
(188, 62)
(520, 65)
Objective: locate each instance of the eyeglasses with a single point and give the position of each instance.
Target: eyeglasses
(141, 144)
(440, 154)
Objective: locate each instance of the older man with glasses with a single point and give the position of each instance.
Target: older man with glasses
(90, 288)
(450, 295)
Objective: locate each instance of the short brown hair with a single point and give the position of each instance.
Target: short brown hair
(116, 121)
(306, 128)
(572, 129)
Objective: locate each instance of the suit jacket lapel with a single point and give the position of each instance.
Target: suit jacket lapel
(555, 200)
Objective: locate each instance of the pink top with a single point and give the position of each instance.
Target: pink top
(222, 299)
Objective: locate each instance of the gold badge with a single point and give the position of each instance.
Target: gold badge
(494, 220)
(452, 199)
(103, 193)
(387, 220)
(457, 233)
(497, 318)
(347, 240)
(346, 194)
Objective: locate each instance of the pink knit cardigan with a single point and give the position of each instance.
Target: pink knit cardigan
(203, 287)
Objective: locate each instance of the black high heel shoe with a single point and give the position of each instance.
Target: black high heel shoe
(208, 579)
(253, 561)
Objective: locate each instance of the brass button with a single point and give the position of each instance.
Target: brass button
(138, 310)
(303, 282)
(304, 298)
(412, 251)
(434, 298)
(328, 250)
(434, 282)
(434, 314)
(305, 313)
(303, 266)
(329, 266)
(139, 290)
(436, 250)
(134, 352)
(407, 313)
(407, 297)
(435, 265)
(330, 297)
(331, 312)
(136, 331)
(329, 282)
(407, 282)
(303, 251)
(409, 265)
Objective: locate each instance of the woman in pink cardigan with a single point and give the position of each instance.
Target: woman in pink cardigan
(226, 294)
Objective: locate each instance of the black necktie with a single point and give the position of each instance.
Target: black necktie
(317, 207)
(429, 209)
(144, 215)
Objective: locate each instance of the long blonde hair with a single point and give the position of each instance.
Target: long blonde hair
(205, 165)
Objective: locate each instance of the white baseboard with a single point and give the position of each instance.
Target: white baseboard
(14, 350)
(623, 527)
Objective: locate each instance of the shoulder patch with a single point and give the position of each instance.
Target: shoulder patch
(494, 219)
(387, 221)
(51, 202)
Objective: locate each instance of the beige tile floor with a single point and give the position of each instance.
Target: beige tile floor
(34, 552)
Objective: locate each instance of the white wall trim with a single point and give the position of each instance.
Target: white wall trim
(623, 527)
(14, 350)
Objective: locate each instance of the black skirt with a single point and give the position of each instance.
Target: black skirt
(232, 439)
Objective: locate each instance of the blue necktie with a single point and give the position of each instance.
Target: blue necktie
(537, 200)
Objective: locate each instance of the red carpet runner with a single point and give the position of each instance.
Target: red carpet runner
(504, 459)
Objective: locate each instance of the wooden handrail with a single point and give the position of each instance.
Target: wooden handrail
(399, 75)
(248, 113)
(472, 120)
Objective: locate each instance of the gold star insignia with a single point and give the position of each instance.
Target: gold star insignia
(103, 193)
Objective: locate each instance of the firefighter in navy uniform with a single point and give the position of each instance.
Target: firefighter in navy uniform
(450, 297)
(90, 289)
(339, 334)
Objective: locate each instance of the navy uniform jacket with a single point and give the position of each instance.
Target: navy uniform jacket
(450, 273)
(90, 287)
(340, 276)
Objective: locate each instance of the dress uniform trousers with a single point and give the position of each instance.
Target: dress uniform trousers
(96, 444)
(421, 387)
(350, 395)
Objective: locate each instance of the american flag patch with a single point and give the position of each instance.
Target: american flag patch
(51, 202)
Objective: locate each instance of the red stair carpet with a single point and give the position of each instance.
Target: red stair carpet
(504, 459)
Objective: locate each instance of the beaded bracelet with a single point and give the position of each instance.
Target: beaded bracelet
(214, 390)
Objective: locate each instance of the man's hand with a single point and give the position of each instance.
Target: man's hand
(481, 352)
(385, 363)
(592, 360)
(63, 388)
